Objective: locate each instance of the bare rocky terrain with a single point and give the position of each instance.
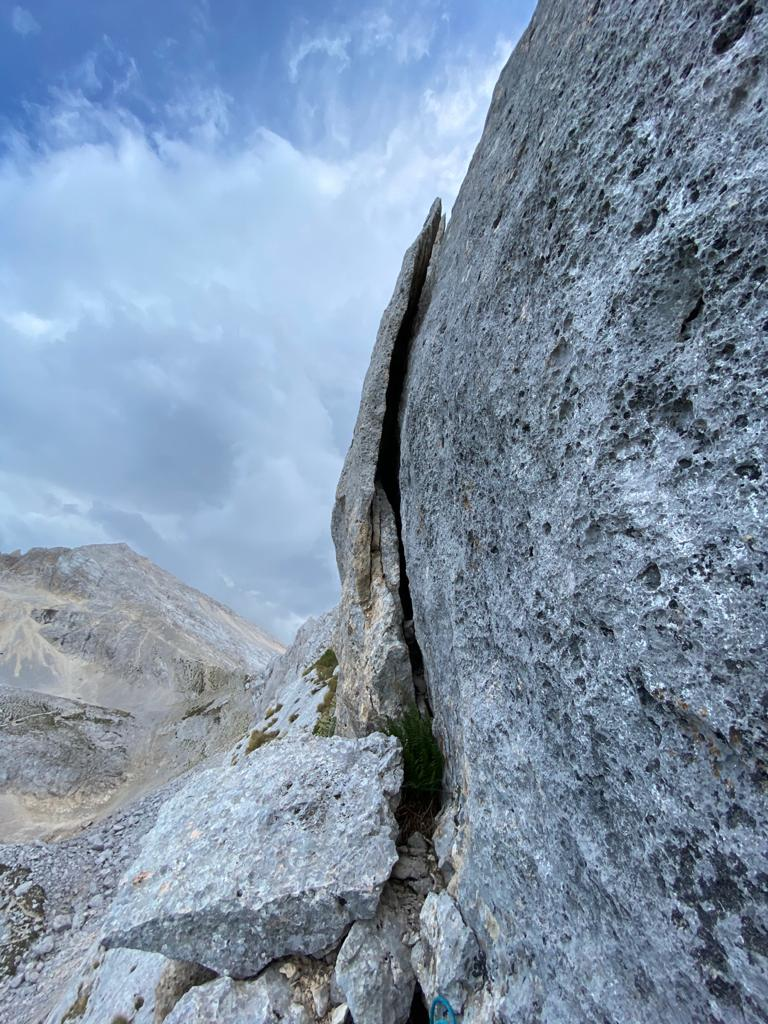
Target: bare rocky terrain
(551, 537)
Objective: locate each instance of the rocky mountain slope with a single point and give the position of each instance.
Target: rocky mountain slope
(550, 533)
(113, 675)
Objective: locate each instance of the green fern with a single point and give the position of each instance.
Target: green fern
(422, 757)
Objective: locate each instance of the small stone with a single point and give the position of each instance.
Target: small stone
(44, 946)
(23, 889)
(31, 976)
(417, 843)
(96, 902)
(15, 981)
(321, 999)
(340, 1014)
(97, 844)
(288, 970)
(62, 923)
(421, 886)
(409, 867)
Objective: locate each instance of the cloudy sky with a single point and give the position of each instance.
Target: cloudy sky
(203, 208)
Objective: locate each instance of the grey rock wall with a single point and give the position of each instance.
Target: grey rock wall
(584, 513)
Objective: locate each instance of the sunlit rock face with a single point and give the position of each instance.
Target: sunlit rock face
(583, 503)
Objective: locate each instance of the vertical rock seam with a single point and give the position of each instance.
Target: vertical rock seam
(388, 464)
(376, 662)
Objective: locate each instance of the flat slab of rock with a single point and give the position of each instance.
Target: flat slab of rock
(275, 856)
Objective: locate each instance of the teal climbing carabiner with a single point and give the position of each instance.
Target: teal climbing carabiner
(443, 1004)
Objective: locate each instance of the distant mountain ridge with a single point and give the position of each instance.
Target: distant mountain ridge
(107, 660)
(110, 611)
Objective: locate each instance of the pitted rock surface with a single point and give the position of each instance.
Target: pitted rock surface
(274, 856)
(583, 481)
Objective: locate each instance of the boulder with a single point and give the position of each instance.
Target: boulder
(268, 999)
(446, 958)
(276, 855)
(584, 499)
(373, 968)
(376, 678)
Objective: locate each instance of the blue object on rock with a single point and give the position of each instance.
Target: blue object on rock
(440, 1002)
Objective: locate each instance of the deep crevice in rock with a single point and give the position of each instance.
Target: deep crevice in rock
(419, 1013)
(388, 463)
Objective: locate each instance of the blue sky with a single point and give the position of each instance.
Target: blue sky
(203, 208)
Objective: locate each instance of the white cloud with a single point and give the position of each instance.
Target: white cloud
(185, 323)
(24, 22)
(335, 47)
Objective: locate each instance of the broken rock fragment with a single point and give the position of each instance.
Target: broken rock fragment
(275, 856)
(268, 999)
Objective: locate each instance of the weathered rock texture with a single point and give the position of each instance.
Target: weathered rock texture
(265, 1001)
(584, 512)
(126, 985)
(276, 856)
(375, 662)
(373, 968)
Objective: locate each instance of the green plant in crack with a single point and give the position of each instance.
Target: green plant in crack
(326, 711)
(324, 667)
(422, 757)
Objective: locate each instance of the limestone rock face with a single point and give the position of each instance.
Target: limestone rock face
(126, 984)
(583, 485)
(376, 679)
(292, 690)
(446, 958)
(275, 856)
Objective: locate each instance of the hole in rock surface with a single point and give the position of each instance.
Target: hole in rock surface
(419, 1013)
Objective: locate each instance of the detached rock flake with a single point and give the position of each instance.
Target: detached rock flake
(276, 856)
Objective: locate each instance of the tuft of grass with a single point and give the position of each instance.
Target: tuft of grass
(324, 667)
(422, 757)
(325, 725)
(326, 711)
(292, 718)
(258, 739)
(270, 712)
(80, 1005)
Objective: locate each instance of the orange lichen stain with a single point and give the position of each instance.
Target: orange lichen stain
(163, 888)
(195, 833)
(141, 877)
